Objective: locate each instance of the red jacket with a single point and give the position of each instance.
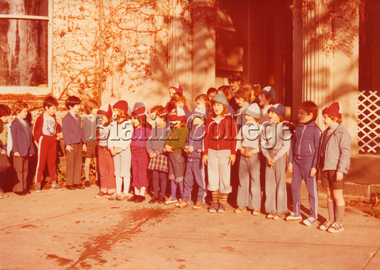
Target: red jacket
(37, 127)
(220, 136)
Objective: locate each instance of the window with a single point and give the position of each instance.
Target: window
(24, 43)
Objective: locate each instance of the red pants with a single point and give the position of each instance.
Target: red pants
(106, 171)
(47, 152)
(140, 162)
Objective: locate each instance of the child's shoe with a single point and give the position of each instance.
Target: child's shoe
(37, 187)
(240, 209)
(56, 186)
(335, 227)
(140, 199)
(100, 195)
(121, 197)
(87, 183)
(293, 217)
(222, 208)
(256, 212)
(133, 198)
(198, 205)
(325, 226)
(161, 200)
(271, 215)
(153, 200)
(182, 203)
(171, 200)
(309, 221)
(279, 216)
(213, 207)
(111, 196)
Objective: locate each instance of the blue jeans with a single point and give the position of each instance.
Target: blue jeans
(194, 170)
(249, 192)
(275, 187)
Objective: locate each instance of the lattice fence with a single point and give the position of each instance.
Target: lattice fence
(369, 122)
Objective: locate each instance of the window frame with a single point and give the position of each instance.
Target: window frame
(35, 90)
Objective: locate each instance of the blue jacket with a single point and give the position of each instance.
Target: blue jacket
(71, 130)
(195, 139)
(305, 143)
(20, 139)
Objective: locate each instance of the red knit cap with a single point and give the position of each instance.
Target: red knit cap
(334, 109)
(122, 105)
(177, 87)
(106, 110)
(139, 111)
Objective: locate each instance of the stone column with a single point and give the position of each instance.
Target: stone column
(203, 14)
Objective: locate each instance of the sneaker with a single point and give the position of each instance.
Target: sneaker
(161, 200)
(240, 209)
(256, 212)
(87, 183)
(222, 208)
(171, 200)
(121, 197)
(270, 215)
(153, 200)
(309, 221)
(129, 195)
(335, 227)
(293, 217)
(111, 196)
(133, 198)
(279, 216)
(213, 207)
(326, 225)
(198, 205)
(37, 187)
(140, 199)
(182, 203)
(100, 195)
(56, 186)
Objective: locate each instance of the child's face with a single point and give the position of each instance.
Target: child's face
(250, 118)
(180, 104)
(240, 102)
(5, 119)
(327, 121)
(172, 92)
(23, 114)
(135, 122)
(211, 95)
(200, 102)
(273, 117)
(103, 119)
(75, 108)
(218, 109)
(234, 84)
(51, 111)
(263, 100)
(304, 117)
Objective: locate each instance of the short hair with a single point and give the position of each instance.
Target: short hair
(71, 101)
(18, 106)
(160, 111)
(50, 101)
(235, 77)
(205, 99)
(4, 110)
(122, 116)
(334, 118)
(225, 109)
(309, 107)
(270, 99)
(253, 89)
(226, 90)
(212, 90)
(244, 94)
(89, 105)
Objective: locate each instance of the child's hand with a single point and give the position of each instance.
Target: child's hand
(190, 149)
(232, 159)
(313, 172)
(169, 148)
(205, 160)
(339, 176)
(152, 155)
(290, 168)
(270, 161)
(242, 151)
(17, 154)
(3, 151)
(84, 148)
(69, 148)
(249, 154)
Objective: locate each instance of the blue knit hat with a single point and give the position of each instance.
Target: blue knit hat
(253, 110)
(221, 98)
(278, 109)
(269, 91)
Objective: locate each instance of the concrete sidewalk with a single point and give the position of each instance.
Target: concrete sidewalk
(73, 230)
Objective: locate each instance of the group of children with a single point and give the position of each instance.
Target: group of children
(232, 132)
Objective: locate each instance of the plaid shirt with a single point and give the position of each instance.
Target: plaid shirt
(159, 163)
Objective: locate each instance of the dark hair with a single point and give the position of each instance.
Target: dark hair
(71, 101)
(244, 94)
(225, 109)
(160, 111)
(235, 77)
(270, 99)
(212, 90)
(122, 116)
(205, 99)
(4, 110)
(226, 90)
(309, 107)
(18, 106)
(334, 118)
(50, 101)
(142, 120)
(90, 105)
